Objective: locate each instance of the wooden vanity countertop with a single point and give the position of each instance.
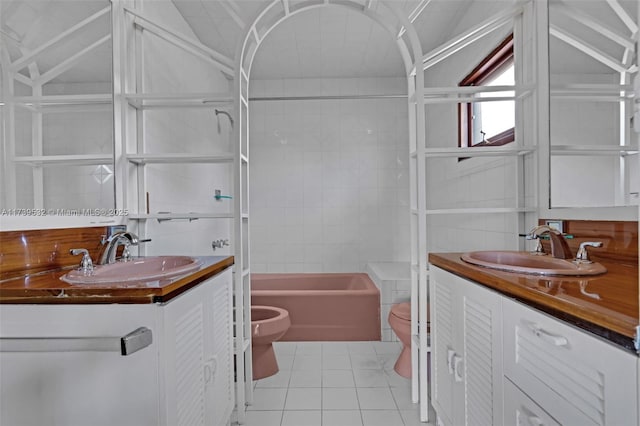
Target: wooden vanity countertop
(606, 305)
(48, 288)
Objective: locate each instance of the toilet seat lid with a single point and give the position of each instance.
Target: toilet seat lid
(402, 310)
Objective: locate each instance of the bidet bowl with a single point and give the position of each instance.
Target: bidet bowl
(138, 269)
(529, 263)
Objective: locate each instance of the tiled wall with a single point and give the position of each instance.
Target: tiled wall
(329, 179)
(183, 188)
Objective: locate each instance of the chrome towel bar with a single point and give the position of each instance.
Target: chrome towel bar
(138, 339)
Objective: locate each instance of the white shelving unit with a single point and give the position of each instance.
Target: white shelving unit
(421, 152)
(132, 26)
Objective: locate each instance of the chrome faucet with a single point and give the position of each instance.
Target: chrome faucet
(559, 247)
(122, 238)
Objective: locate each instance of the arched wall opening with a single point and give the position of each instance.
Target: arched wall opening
(329, 182)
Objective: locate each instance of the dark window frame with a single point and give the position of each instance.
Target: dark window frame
(499, 59)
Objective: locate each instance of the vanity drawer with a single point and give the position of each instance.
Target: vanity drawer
(575, 377)
(520, 410)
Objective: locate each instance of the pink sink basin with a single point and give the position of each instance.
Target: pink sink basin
(139, 269)
(528, 263)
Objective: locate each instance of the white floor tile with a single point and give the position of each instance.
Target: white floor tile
(335, 348)
(337, 379)
(309, 348)
(306, 379)
(336, 362)
(263, 418)
(387, 347)
(278, 380)
(376, 399)
(302, 418)
(304, 399)
(370, 378)
(339, 399)
(285, 362)
(285, 348)
(412, 418)
(361, 348)
(387, 361)
(364, 362)
(397, 381)
(381, 418)
(341, 418)
(307, 362)
(402, 397)
(268, 399)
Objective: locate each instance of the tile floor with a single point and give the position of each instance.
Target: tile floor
(334, 384)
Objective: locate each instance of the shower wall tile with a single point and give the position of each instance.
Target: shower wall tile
(328, 177)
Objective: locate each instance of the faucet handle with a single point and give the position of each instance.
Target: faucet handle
(538, 249)
(86, 264)
(126, 254)
(583, 256)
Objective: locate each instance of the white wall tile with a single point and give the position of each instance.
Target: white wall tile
(342, 181)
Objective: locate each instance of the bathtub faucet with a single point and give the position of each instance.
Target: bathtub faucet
(559, 247)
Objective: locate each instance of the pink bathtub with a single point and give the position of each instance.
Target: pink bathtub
(322, 307)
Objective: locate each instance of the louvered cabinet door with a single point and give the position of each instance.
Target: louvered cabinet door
(520, 410)
(219, 368)
(575, 377)
(442, 299)
(481, 345)
(183, 358)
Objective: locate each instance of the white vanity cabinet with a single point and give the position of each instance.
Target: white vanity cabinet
(184, 377)
(466, 359)
(498, 361)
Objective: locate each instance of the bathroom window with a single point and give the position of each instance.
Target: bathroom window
(489, 123)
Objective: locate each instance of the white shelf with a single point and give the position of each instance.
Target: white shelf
(480, 151)
(63, 100)
(179, 158)
(65, 160)
(177, 216)
(64, 103)
(481, 210)
(183, 100)
(597, 150)
(592, 92)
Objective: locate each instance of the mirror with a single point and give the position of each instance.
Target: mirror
(592, 64)
(57, 107)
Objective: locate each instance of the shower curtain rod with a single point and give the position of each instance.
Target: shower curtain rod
(324, 97)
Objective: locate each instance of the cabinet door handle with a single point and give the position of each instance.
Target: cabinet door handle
(457, 362)
(531, 417)
(550, 338)
(210, 367)
(450, 356)
(535, 421)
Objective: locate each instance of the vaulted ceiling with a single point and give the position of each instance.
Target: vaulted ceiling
(320, 42)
